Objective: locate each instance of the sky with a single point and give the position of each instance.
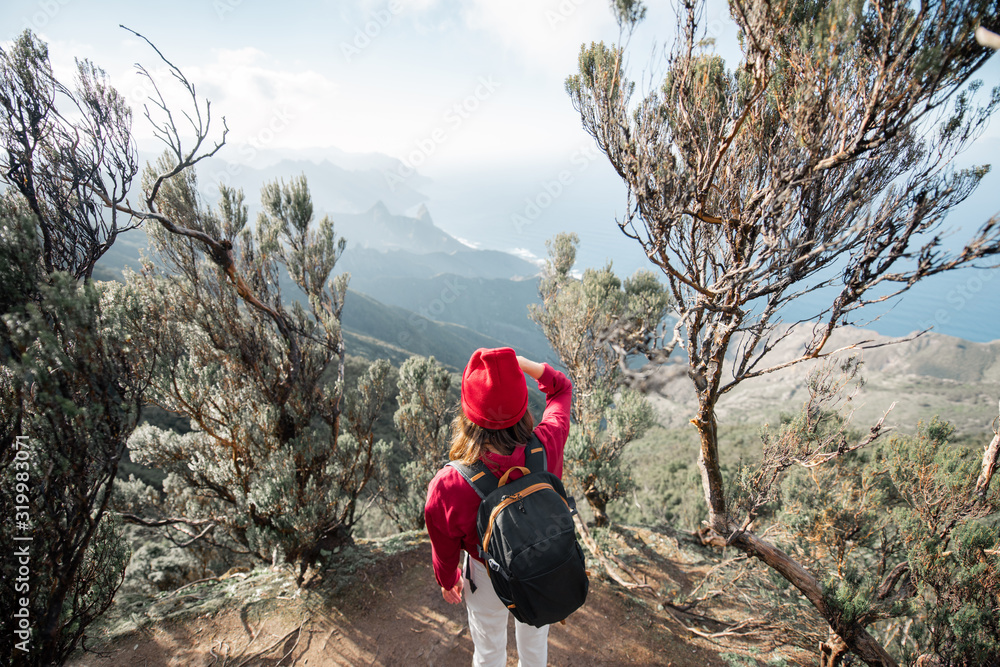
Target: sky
(369, 76)
(470, 93)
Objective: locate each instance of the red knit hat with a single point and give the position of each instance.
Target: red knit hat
(494, 392)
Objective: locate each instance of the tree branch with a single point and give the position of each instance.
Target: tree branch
(990, 456)
(852, 632)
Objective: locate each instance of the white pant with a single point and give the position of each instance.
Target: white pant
(488, 626)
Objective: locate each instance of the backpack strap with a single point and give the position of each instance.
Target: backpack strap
(478, 477)
(484, 482)
(535, 459)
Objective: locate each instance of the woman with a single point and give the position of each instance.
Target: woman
(493, 426)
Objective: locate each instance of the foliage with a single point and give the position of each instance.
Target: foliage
(577, 316)
(901, 532)
(821, 161)
(666, 485)
(70, 390)
(67, 152)
(423, 422)
(628, 12)
(738, 660)
(71, 383)
(274, 465)
(952, 554)
(354, 368)
(157, 565)
(809, 438)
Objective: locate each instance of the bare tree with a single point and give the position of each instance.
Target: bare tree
(66, 151)
(821, 161)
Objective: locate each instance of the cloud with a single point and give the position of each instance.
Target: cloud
(410, 5)
(398, 94)
(264, 106)
(528, 256)
(546, 33)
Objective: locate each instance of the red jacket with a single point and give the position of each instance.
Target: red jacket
(452, 503)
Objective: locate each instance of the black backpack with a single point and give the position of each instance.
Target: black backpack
(528, 541)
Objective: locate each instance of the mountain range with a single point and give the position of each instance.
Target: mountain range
(415, 289)
(338, 182)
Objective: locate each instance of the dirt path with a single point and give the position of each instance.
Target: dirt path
(388, 613)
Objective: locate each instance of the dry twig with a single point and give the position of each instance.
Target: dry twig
(193, 583)
(591, 544)
(275, 645)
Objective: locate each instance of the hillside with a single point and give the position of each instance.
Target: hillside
(495, 308)
(376, 330)
(931, 375)
(398, 307)
(367, 263)
(410, 263)
(418, 290)
(417, 320)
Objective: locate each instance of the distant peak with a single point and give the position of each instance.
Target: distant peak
(423, 213)
(380, 209)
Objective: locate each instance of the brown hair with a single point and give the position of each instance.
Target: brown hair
(470, 441)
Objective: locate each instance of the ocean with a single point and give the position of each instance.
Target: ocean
(518, 207)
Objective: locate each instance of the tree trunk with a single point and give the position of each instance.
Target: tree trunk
(708, 463)
(832, 651)
(854, 635)
(599, 506)
(990, 456)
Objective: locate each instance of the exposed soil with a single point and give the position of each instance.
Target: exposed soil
(389, 611)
